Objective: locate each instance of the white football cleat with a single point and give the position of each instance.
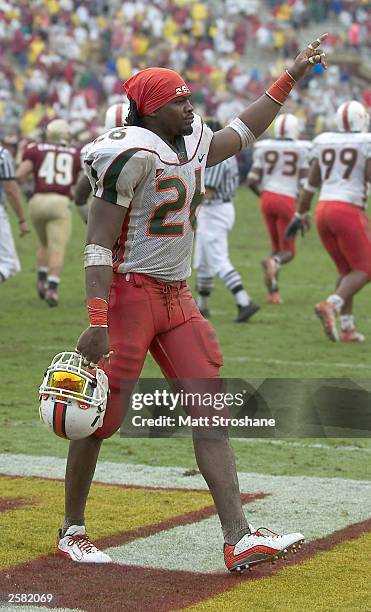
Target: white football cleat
(257, 547)
(76, 546)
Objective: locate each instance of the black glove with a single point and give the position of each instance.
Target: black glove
(298, 223)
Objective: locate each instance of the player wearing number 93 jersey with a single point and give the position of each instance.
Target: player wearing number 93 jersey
(55, 166)
(279, 167)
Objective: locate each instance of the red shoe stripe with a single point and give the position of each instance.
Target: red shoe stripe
(231, 558)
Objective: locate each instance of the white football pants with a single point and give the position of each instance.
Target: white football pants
(211, 257)
(9, 262)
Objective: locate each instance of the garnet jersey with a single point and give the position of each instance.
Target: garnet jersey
(162, 188)
(280, 161)
(342, 158)
(55, 167)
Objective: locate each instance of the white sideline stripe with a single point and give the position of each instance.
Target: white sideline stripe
(298, 444)
(353, 366)
(316, 506)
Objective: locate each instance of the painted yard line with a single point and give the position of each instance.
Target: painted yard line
(358, 366)
(128, 587)
(300, 445)
(291, 504)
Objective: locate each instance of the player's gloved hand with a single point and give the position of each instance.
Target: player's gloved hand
(299, 222)
(312, 54)
(93, 344)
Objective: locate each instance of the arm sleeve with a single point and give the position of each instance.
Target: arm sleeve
(119, 181)
(7, 170)
(29, 153)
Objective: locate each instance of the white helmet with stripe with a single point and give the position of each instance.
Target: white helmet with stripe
(116, 115)
(73, 398)
(352, 117)
(287, 126)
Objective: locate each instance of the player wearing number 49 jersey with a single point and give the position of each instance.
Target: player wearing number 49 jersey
(341, 165)
(279, 167)
(55, 166)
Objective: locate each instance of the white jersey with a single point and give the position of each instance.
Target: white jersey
(161, 187)
(280, 162)
(342, 158)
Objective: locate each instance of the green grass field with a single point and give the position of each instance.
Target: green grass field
(279, 342)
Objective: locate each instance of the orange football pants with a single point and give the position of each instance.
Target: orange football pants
(149, 315)
(277, 211)
(346, 235)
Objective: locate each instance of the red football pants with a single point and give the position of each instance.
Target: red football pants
(277, 211)
(146, 314)
(345, 232)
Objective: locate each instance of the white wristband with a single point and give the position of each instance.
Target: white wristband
(97, 255)
(303, 215)
(245, 134)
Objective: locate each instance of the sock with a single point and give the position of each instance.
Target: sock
(202, 301)
(53, 282)
(233, 281)
(242, 298)
(346, 322)
(336, 301)
(204, 287)
(233, 531)
(68, 523)
(42, 273)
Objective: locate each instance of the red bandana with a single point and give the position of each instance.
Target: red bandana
(154, 87)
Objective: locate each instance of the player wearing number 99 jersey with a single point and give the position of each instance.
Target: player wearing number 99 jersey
(55, 166)
(341, 167)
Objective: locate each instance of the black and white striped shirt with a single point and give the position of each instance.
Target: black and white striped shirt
(7, 171)
(224, 179)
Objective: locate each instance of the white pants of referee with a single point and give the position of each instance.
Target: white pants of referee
(211, 257)
(9, 262)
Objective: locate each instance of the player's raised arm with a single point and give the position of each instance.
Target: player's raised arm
(252, 122)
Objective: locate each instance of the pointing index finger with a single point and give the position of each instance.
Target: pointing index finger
(316, 43)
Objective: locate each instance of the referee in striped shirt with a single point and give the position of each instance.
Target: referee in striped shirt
(214, 222)
(9, 189)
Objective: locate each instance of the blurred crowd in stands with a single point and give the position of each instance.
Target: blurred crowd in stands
(69, 58)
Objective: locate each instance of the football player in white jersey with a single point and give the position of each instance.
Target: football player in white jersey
(148, 180)
(214, 222)
(279, 167)
(341, 167)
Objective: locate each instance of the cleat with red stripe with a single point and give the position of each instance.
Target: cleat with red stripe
(51, 298)
(351, 335)
(260, 546)
(326, 313)
(76, 546)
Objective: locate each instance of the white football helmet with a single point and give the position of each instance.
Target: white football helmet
(287, 126)
(58, 132)
(116, 115)
(352, 117)
(73, 399)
